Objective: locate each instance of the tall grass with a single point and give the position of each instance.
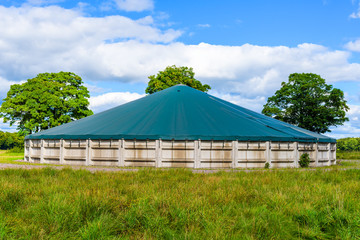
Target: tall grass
(353, 155)
(8, 156)
(156, 204)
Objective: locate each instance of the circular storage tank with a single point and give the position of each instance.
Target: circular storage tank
(179, 127)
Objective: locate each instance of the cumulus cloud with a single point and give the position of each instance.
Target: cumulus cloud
(4, 87)
(351, 128)
(109, 100)
(34, 39)
(4, 127)
(355, 14)
(255, 104)
(346, 130)
(248, 69)
(37, 39)
(135, 5)
(353, 45)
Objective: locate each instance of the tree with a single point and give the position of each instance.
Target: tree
(46, 101)
(173, 75)
(308, 102)
(10, 140)
(348, 144)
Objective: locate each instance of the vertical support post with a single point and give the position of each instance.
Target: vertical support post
(42, 150)
(316, 155)
(62, 147)
(268, 152)
(119, 153)
(235, 151)
(87, 152)
(335, 153)
(121, 162)
(158, 153)
(197, 154)
(296, 154)
(25, 151)
(329, 154)
(90, 152)
(30, 150)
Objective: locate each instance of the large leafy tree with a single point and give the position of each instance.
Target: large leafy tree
(46, 101)
(173, 75)
(308, 102)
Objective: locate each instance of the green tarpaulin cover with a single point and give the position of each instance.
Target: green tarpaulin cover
(180, 113)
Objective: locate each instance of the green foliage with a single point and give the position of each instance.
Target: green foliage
(348, 144)
(172, 76)
(46, 101)
(11, 140)
(304, 160)
(178, 204)
(308, 102)
(267, 165)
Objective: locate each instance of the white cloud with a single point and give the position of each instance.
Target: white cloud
(248, 70)
(34, 39)
(5, 127)
(353, 45)
(43, 2)
(5, 87)
(37, 39)
(355, 14)
(109, 100)
(255, 104)
(135, 5)
(351, 128)
(204, 25)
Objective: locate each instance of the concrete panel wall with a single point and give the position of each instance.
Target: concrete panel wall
(283, 154)
(178, 154)
(103, 152)
(139, 153)
(251, 154)
(165, 153)
(216, 154)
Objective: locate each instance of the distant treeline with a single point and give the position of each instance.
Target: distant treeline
(10, 140)
(348, 144)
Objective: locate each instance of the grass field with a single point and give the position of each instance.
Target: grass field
(158, 204)
(348, 155)
(6, 156)
(179, 204)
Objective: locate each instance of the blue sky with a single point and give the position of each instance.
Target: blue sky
(243, 49)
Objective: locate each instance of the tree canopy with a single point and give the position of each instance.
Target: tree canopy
(10, 140)
(308, 102)
(348, 144)
(172, 76)
(46, 101)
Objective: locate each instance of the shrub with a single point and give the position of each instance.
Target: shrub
(267, 165)
(304, 160)
(16, 150)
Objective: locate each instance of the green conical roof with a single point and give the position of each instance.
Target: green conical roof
(180, 112)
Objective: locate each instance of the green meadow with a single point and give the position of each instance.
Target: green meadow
(179, 204)
(353, 155)
(9, 156)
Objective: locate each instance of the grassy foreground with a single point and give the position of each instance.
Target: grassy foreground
(179, 204)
